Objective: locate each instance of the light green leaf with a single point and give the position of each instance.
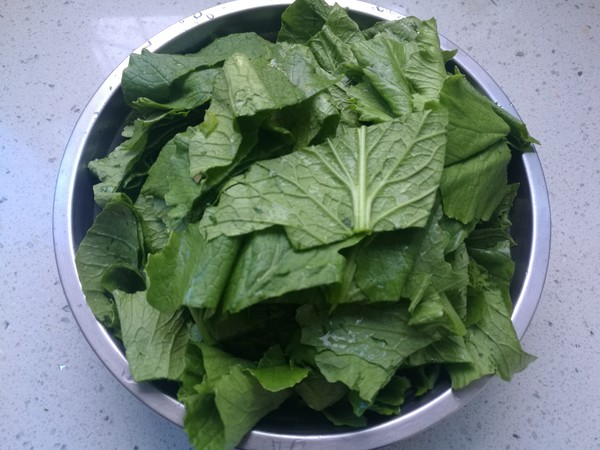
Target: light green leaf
(369, 104)
(406, 69)
(154, 213)
(125, 168)
(368, 179)
(154, 342)
(255, 85)
(278, 378)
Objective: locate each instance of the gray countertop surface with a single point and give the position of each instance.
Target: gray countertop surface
(56, 394)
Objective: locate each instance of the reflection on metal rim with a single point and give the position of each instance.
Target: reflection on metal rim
(74, 211)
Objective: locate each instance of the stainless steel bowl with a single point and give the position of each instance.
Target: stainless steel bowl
(98, 130)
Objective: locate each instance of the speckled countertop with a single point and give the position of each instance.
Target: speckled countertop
(56, 394)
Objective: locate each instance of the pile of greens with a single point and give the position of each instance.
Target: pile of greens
(319, 221)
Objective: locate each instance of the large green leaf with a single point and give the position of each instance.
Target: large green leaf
(362, 346)
(113, 241)
(214, 144)
(376, 178)
(302, 19)
(332, 45)
(242, 402)
(473, 125)
(155, 77)
(492, 340)
(268, 266)
(154, 342)
(473, 188)
(230, 389)
(383, 60)
(125, 168)
(190, 271)
(289, 76)
(189, 92)
(275, 372)
(407, 73)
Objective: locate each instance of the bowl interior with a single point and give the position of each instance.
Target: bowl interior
(99, 132)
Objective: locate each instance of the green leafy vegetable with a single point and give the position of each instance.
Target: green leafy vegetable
(320, 221)
(114, 243)
(155, 342)
(375, 178)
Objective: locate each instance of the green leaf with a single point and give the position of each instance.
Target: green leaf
(278, 378)
(318, 393)
(190, 271)
(154, 214)
(408, 73)
(473, 188)
(310, 122)
(302, 19)
(155, 76)
(125, 277)
(369, 104)
(189, 92)
(202, 422)
(361, 346)
(169, 180)
(183, 190)
(268, 266)
(301, 68)
(492, 341)
(114, 240)
(151, 75)
(406, 263)
(332, 45)
(473, 125)
(383, 60)
(288, 77)
(238, 397)
(154, 342)
(126, 166)
(518, 137)
(341, 414)
(392, 396)
(242, 402)
(250, 44)
(368, 179)
(255, 85)
(425, 68)
(451, 349)
(215, 144)
(218, 363)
